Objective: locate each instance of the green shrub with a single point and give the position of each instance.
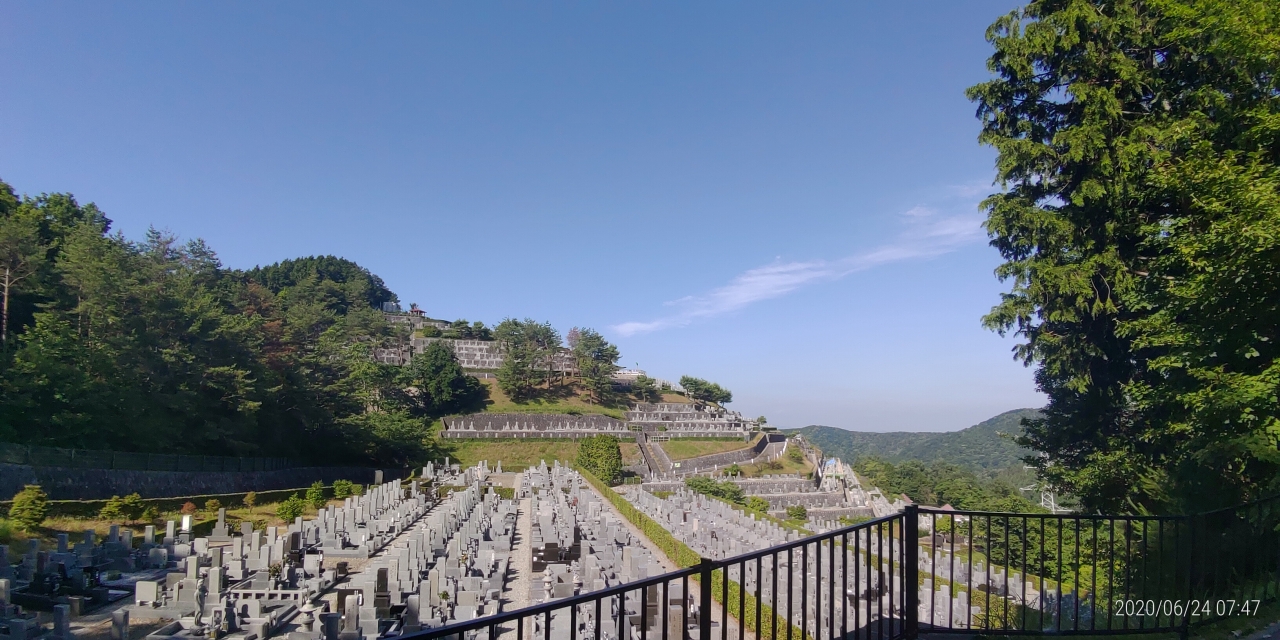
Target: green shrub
(602, 456)
(733, 470)
(725, 490)
(212, 505)
(795, 454)
(6, 532)
(342, 489)
(852, 520)
(133, 507)
(149, 514)
(755, 503)
(30, 506)
(112, 510)
(127, 509)
(250, 499)
(797, 513)
(315, 495)
(290, 509)
(357, 489)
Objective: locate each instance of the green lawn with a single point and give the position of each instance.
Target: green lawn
(567, 399)
(685, 448)
(630, 453)
(785, 465)
(516, 454)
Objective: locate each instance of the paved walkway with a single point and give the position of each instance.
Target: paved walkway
(515, 592)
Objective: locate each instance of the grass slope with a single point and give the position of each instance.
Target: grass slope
(980, 447)
(515, 454)
(569, 398)
(685, 448)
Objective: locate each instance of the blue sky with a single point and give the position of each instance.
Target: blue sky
(779, 197)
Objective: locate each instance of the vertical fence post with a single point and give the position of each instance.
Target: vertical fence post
(1184, 630)
(911, 571)
(705, 567)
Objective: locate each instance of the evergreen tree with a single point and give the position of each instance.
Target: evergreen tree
(1140, 224)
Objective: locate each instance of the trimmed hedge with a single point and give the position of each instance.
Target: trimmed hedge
(89, 509)
(775, 626)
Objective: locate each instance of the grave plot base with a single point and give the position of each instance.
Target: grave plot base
(144, 612)
(346, 553)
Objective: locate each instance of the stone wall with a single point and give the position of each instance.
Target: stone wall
(64, 483)
(532, 425)
(686, 419)
(809, 500)
(739, 456)
(780, 483)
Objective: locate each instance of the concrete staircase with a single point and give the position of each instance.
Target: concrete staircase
(650, 460)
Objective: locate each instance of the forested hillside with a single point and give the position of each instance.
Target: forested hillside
(152, 345)
(980, 447)
(939, 483)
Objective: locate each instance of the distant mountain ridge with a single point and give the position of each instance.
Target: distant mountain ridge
(980, 447)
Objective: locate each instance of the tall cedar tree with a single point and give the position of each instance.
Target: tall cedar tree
(529, 350)
(1139, 220)
(597, 361)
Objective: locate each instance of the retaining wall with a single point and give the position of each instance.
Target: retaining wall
(532, 425)
(64, 483)
(727, 458)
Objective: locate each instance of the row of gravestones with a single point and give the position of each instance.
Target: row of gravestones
(463, 549)
(596, 550)
(25, 625)
(787, 582)
(69, 575)
(256, 581)
(712, 528)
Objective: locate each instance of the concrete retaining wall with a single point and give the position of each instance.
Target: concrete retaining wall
(63, 483)
(727, 458)
(532, 425)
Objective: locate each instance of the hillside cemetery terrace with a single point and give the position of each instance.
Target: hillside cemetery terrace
(532, 425)
(674, 420)
(794, 583)
(580, 545)
(448, 548)
(392, 560)
(766, 448)
(687, 419)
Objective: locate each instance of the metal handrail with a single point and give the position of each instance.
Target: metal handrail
(1048, 548)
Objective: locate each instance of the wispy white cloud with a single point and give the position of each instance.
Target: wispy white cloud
(926, 234)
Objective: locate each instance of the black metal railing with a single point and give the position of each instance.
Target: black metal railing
(1095, 574)
(845, 583)
(928, 570)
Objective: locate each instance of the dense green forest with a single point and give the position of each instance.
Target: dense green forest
(152, 345)
(986, 447)
(939, 483)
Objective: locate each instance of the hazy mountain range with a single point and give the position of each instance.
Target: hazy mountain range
(986, 446)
